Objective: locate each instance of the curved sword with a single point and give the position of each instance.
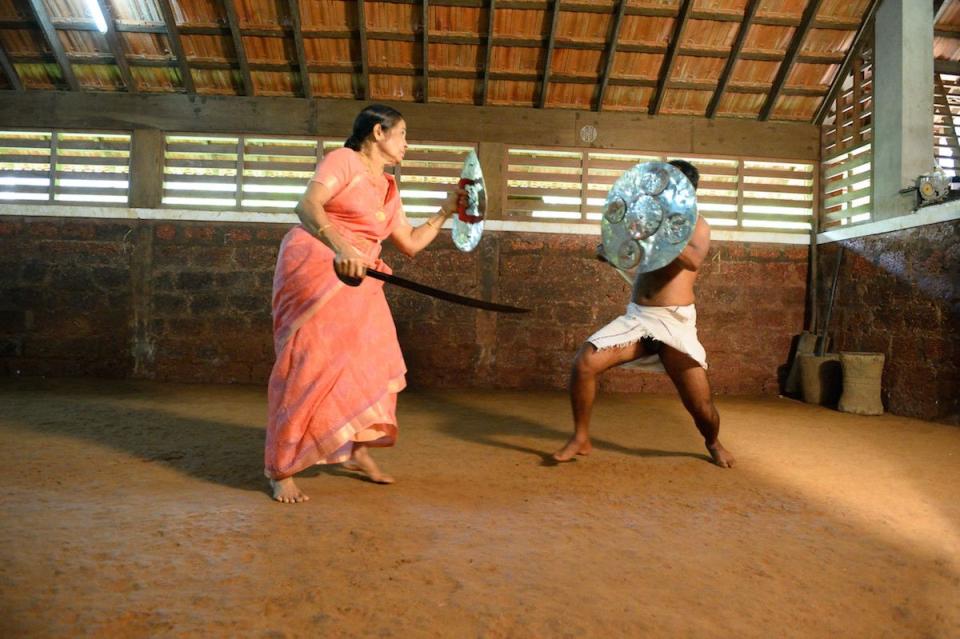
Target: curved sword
(435, 292)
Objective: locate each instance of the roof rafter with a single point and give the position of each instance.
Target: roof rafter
(364, 69)
(116, 47)
(173, 35)
(611, 52)
(425, 13)
(10, 70)
(844, 70)
(234, 23)
(790, 58)
(301, 50)
(488, 54)
(53, 40)
(542, 100)
(748, 15)
(671, 56)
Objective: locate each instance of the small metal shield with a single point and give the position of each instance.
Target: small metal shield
(468, 223)
(648, 217)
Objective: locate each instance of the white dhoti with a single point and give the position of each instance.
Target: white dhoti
(675, 326)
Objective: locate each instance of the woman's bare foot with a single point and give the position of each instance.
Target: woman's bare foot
(576, 445)
(285, 491)
(363, 462)
(721, 456)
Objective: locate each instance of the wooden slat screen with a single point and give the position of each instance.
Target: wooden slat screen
(427, 175)
(275, 171)
(65, 167)
(202, 171)
(734, 193)
(946, 119)
(847, 152)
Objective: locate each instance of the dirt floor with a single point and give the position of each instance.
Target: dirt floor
(139, 509)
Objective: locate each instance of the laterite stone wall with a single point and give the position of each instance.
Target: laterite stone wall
(899, 294)
(190, 302)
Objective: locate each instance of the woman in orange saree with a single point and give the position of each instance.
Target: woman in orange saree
(333, 389)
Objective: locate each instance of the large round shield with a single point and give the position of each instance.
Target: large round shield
(648, 217)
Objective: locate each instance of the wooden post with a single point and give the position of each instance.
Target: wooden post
(492, 157)
(146, 168)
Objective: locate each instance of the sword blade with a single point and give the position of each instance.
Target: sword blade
(444, 295)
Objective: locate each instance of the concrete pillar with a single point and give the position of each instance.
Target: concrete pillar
(902, 103)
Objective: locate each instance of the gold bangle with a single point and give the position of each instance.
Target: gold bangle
(323, 228)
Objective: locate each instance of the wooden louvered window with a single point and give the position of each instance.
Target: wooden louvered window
(946, 119)
(428, 173)
(847, 152)
(734, 193)
(259, 173)
(201, 171)
(65, 167)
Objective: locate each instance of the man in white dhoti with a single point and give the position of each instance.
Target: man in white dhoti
(658, 332)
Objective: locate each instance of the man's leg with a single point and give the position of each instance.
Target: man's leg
(587, 366)
(694, 388)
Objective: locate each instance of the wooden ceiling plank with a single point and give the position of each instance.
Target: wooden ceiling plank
(294, 6)
(364, 69)
(488, 54)
(748, 15)
(116, 46)
(425, 51)
(234, 23)
(10, 70)
(809, 13)
(666, 68)
(551, 42)
(53, 41)
(844, 70)
(173, 35)
(611, 52)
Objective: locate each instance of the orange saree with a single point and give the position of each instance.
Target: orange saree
(339, 367)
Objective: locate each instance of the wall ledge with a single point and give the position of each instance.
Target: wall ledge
(718, 234)
(933, 214)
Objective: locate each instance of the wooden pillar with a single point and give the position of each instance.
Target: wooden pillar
(493, 163)
(146, 168)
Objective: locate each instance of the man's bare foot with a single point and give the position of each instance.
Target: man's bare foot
(721, 456)
(574, 446)
(363, 462)
(285, 491)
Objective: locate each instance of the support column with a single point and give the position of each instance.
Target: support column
(902, 103)
(146, 168)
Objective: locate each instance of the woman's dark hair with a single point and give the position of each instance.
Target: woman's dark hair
(687, 169)
(371, 116)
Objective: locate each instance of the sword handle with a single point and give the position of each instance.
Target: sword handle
(346, 279)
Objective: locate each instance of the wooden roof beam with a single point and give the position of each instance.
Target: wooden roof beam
(116, 46)
(542, 100)
(748, 15)
(10, 70)
(425, 52)
(364, 68)
(670, 57)
(790, 58)
(234, 23)
(294, 6)
(173, 35)
(852, 52)
(611, 52)
(53, 40)
(488, 54)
